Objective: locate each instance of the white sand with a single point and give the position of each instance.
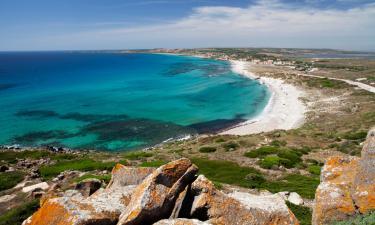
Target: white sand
(285, 109)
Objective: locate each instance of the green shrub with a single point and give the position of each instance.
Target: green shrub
(278, 143)
(360, 135)
(207, 149)
(314, 169)
(10, 179)
(270, 161)
(220, 140)
(368, 219)
(303, 213)
(17, 215)
(155, 163)
(138, 155)
(293, 157)
(262, 152)
(50, 171)
(230, 146)
(255, 177)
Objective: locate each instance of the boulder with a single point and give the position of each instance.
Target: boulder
(41, 186)
(347, 186)
(102, 207)
(181, 221)
(295, 198)
(3, 168)
(155, 197)
(206, 203)
(88, 186)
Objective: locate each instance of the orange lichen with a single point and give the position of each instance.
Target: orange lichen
(51, 213)
(117, 167)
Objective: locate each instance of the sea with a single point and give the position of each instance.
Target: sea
(115, 101)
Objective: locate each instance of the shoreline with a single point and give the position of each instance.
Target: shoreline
(284, 110)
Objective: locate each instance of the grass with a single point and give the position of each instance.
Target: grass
(325, 83)
(314, 169)
(231, 173)
(226, 172)
(138, 155)
(155, 163)
(207, 149)
(10, 179)
(17, 215)
(262, 152)
(12, 156)
(303, 185)
(50, 171)
(105, 178)
(303, 213)
(360, 135)
(368, 219)
(270, 161)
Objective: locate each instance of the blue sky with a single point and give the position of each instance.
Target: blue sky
(123, 24)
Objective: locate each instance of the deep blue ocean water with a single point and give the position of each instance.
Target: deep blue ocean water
(112, 101)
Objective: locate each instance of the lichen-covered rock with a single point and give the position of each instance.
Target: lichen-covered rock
(364, 182)
(211, 205)
(155, 197)
(181, 221)
(103, 207)
(347, 186)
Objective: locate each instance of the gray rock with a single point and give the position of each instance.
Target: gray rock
(295, 198)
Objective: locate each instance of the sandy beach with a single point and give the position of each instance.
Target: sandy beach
(285, 109)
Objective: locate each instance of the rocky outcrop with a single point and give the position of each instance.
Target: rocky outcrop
(209, 204)
(103, 207)
(347, 186)
(169, 195)
(154, 198)
(181, 221)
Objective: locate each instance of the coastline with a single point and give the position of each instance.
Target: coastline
(284, 110)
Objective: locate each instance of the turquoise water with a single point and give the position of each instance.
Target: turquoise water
(111, 101)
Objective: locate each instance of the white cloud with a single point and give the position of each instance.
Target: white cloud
(267, 23)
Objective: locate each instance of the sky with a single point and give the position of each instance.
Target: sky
(139, 24)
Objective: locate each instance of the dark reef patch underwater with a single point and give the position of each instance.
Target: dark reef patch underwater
(109, 101)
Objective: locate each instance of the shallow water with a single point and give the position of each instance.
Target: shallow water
(111, 101)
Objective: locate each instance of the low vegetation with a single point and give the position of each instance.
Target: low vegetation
(275, 156)
(137, 155)
(230, 146)
(10, 179)
(17, 215)
(207, 149)
(303, 213)
(154, 163)
(359, 220)
(50, 171)
(303, 185)
(12, 156)
(226, 172)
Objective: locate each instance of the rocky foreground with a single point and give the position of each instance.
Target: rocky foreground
(167, 195)
(175, 194)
